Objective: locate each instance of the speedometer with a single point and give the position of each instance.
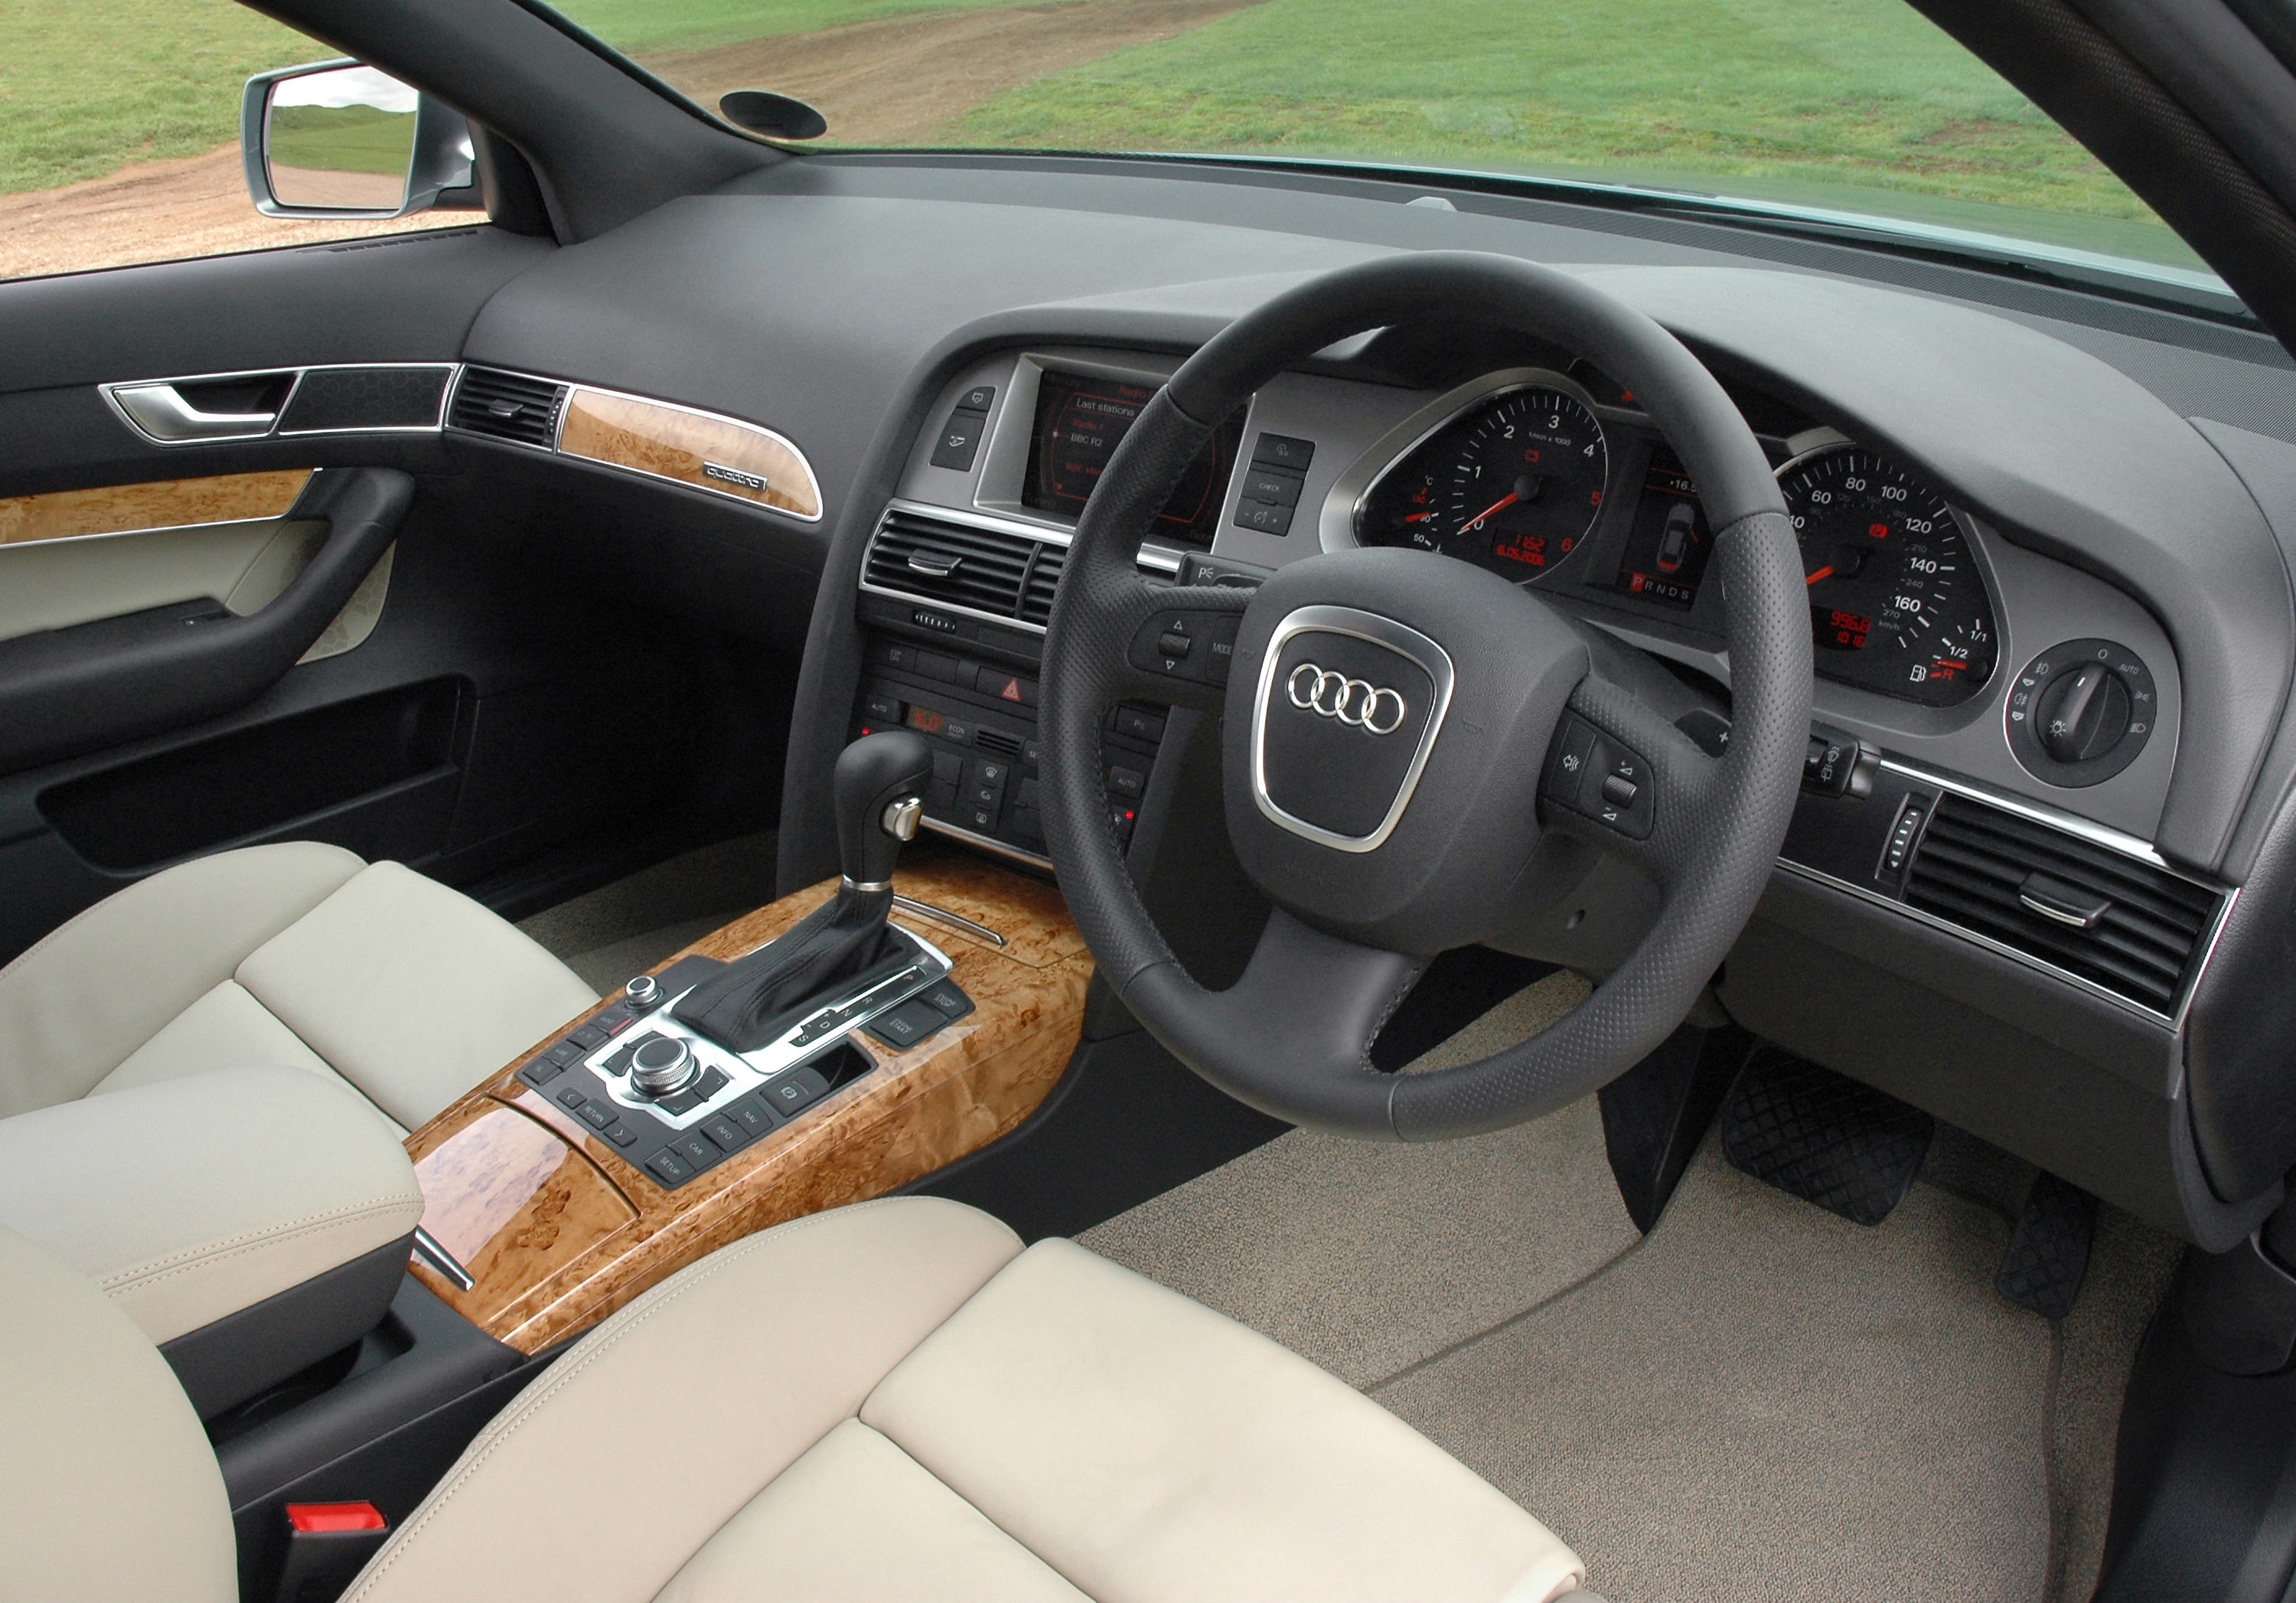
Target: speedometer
(1514, 485)
(1896, 604)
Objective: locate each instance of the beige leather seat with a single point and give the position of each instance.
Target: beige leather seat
(298, 955)
(892, 1401)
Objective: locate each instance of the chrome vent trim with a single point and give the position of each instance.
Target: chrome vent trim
(508, 405)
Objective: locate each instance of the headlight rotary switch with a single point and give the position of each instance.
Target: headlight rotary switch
(2082, 711)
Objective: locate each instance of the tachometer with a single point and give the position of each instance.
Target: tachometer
(1514, 486)
(1896, 604)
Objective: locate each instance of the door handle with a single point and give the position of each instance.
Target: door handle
(159, 412)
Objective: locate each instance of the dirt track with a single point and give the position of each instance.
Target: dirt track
(894, 81)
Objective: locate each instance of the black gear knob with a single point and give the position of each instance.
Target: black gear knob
(881, 788)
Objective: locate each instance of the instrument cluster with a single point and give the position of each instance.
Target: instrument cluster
(1541, 481)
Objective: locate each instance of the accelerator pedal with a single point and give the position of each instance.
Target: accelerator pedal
(1824, 1137)
(2048, 1251)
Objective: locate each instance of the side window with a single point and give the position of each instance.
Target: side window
(120, 138)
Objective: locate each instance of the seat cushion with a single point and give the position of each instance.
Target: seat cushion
(73, 1006)
(895, 1400)
(109, 1489)
(297, 956)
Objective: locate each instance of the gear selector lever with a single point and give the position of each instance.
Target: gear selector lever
(879, 782)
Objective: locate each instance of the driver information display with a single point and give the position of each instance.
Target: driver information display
(1080, 421)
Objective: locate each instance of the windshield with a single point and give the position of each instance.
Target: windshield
(1820, 109)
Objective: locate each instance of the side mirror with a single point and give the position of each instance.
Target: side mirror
(341, 139)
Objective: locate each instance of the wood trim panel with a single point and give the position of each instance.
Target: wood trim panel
(672, 442)
(68, 514)
(510, 1200)
(488, 1181)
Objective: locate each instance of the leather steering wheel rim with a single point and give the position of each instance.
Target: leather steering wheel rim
(1292, 1037)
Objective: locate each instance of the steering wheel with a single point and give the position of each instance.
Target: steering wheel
(1405, 736)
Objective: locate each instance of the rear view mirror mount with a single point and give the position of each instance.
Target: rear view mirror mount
(341, 139)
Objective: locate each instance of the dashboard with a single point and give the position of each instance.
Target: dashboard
(1935, 638)
(2048, 588)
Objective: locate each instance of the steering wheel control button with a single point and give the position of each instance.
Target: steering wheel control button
(1566, 762)
(2081, 712)
(1196, 647)
(1590, 773)
(795, 1091)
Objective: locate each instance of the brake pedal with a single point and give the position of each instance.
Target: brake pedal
(2048, 1251)
(1824, 1137)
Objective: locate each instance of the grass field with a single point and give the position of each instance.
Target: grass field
(1779, 99)
(645, 26)
(1772, 99)
(88, 87)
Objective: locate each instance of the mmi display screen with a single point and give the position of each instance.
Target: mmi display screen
(1080, 420)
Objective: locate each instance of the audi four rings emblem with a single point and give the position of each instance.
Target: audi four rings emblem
(1356, 702)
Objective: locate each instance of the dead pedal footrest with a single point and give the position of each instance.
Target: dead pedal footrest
(1824, 1137)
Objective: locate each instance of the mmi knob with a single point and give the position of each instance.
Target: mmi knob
(663, 1065)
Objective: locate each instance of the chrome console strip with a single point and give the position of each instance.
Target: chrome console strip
(427, 1248)
(925, 909)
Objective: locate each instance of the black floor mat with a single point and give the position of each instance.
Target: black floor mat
(1824, 1137)
(2048, 1251)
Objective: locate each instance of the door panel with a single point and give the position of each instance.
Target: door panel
(421, 652)
(240, 566)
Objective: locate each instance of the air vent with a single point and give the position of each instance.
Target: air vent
(508, 405)
(1974, 861)
(997, 743)
(1043, 579)
(986, 570)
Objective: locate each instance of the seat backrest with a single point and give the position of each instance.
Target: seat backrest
(107, 1486)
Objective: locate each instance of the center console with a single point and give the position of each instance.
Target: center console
(565, 1186)
(957, 585)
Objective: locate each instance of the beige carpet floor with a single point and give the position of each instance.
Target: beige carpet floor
(1758, 1400)
(627, 927)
